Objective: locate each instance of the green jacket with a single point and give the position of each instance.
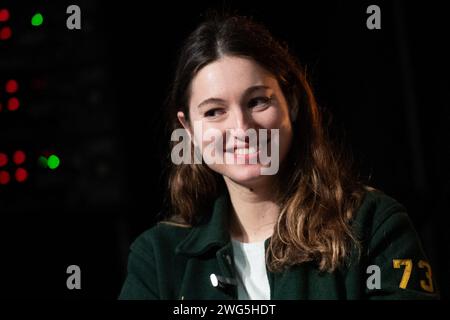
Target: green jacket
(174, 262)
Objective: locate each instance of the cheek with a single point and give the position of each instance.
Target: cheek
(270, 118)
(205, 133)
(273, 118)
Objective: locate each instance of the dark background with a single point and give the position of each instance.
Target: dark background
(95, 98)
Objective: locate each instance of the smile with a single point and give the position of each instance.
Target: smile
(243, 151)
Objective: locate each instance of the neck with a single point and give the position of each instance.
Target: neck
(254, 211)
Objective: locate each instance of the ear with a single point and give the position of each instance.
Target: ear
(185, 123)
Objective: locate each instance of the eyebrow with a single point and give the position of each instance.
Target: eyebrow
(247, 91)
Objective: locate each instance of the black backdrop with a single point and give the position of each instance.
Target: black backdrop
(95, 98)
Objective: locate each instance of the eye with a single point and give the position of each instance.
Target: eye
(213, 113)
(260, 102)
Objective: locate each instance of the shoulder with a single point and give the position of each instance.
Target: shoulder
(151, 255)
(378, 210)
(164, 235)
(385, 230)
(383, 225)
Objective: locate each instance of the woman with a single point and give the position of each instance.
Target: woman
(295, 226)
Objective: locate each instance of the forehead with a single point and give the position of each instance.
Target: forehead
(227, 77)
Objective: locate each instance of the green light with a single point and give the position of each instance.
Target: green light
(42, 161)
(37, 19)
(53, 162)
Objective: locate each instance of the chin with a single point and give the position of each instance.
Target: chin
(246, 175)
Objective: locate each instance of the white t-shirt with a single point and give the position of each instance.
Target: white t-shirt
(250, 263)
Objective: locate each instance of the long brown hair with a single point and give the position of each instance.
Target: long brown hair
(320, 194)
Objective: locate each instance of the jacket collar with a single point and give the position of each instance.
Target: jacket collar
(210, 233)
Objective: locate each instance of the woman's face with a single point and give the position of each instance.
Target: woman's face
(231, 96)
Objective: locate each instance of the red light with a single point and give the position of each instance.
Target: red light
(13, 104)
(3, 159)
(5, 33)
(19, 157)
(4, 15)
(4, 177)
(1, 107)
(11, 86)
(21, 174)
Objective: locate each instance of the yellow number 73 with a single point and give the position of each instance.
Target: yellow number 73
(426, 285)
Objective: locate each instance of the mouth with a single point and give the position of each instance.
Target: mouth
(245, 149)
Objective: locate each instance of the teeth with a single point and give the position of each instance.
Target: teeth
(246, 150)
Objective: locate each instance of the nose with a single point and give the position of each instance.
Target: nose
(242, 121)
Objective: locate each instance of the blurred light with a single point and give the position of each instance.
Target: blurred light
(42, 161)
(11, 86)
(37, 19)
(53, 162)
(4, 15)
(1, 106)
(13, 104)
(19, 157)
(21, 174)
(3, 159)
(5, 33)
(4, 177)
